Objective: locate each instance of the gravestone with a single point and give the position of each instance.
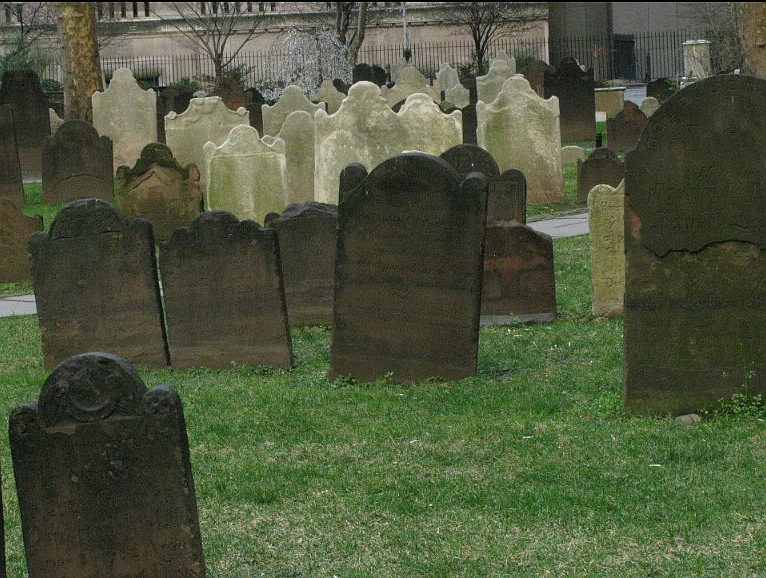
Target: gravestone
(534, 72)
(340, 86)
(306, 234)
(572, 154)
(606, 218)
(15, 229)
(254, 108)
(298, 135)
(77, 164)
(408, 271)
(470, 123)
(127, 115)
(21, 90)
(292, 99)
(56, 121)
(490, 85)
(575, 90)
(103, 476)
(160, 190)
(661, 89)
(518, 282)
(231, 93)
(610, 100)
(224, 296)
(95, 282)
(459, 95)
(521, 131)
(410, 82)
(623, 131)
(602, 167)
(368, 73)
(366, 130)
(649, 106)
(510, 61)
(447, 77)
(328, 94)
(11, 182)
(695, 247)
(247, 175)
(206, 120)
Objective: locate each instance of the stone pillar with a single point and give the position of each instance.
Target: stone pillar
(697, 64)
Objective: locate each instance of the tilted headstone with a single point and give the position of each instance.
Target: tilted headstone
(577, 100)
(649, 106)
(488, 87)
(224, 296)
(366, 130)
(160, 190)
(572, 154)
(206, 120)
(298, 135)
(56, 121)
(408, 271)
(521, 131)
(15, 229)
(292, 99)
(127, 114)
(606, 218)
(247, 175)
(518, 282)
(602, 167)
(22, 91)
(661, 89)
(77, 164)
(534, 72)
(95, 282)
(306, 234)
(410, 81)
(103, 476)
(447, 77)
(368, 73)
(503, 56)
(231, 93)
(695, 247)
(11, 182)
(459, 95)
(328, 94)
(623, 131)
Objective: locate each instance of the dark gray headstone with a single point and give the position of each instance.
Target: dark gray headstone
(15, 229)
(21, 90)
(602, 167)
(224, 295)
(103, 476)
(11, 184)
(77, 164)
(408, 271)
(534, 72)
(623, 131)
(95, 282)
(577, 99)
(695, 246)
(340, 86)
(661, 89)
(306, 234)
(369, 73)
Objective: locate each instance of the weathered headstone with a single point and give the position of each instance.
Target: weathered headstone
(470, 123)
(11, 182)
(649, 106)
(447, 77)
(224, 296)
(490, 85)
(408, 271)
(577, 100)
(366, 130)
(661, 89)
(459, 95)
(368, 73)
(602, 167)
(340, 86)
(77, 164)
(127, 115)
(247, 175)
(21, 90)
(328, 94)
(103, 476)
(15, 229)
(606, 218)
(572, 154)
(292, 99)
(56, 120)
(518, 281)
(610, 100)
(502, 55)
(306, 234)
(95, 282)
(254, 108)
(521, 131)
(695, 246)
(410, 82)
(160, 190)
(534, 72)
(298, 135)
(623, 131)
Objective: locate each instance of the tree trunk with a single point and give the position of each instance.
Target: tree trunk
(752, 33)
(361, 27)
(81, 63)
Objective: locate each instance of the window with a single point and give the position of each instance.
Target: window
(135, 9)
(146, 9)
(123, 9)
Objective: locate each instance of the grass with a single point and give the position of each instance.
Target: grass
(528, 469)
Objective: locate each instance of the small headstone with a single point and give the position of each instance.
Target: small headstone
(572, 154)
(408, 271)
(606, 217)
(510, 61)
(298, 135)
(340, 86)
(254, 108)
(661, 89)
(649, 106)
(459, 95)
(95, 282)
(292, 99)
(368, 73)
(160, 190)
(15, 229)
(410, 82)
(575, 90)
(103, 476)
(602, 167)
(534, 72)
(77, 164)
(306, 234)
(623, 131)
(518, 282)
(447, 77)
(240, 316)
(397, 68)
(490, 85)
(609, 102)
(22, 91)
(56, 121)
(328, 94)
(11, 182)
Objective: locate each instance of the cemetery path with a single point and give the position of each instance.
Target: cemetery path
(569, 226)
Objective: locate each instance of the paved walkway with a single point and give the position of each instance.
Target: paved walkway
(568, 226)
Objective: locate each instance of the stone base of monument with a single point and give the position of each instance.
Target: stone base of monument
(490, 320)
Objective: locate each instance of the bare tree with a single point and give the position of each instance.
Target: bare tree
(32, 21)
(208, 28)
(351, 20)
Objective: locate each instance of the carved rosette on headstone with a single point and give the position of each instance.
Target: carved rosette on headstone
(602, 167)
(22, 91)
(695, 246)
(577, 99)
(95, 282)
(15, 229)
(606, 218)
(11, 182)
(408, 271)
(623, 131)
(103, 476)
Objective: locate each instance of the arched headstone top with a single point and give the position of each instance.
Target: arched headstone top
(88, 217)
(468, 158)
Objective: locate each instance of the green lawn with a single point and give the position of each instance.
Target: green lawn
(529, 469)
